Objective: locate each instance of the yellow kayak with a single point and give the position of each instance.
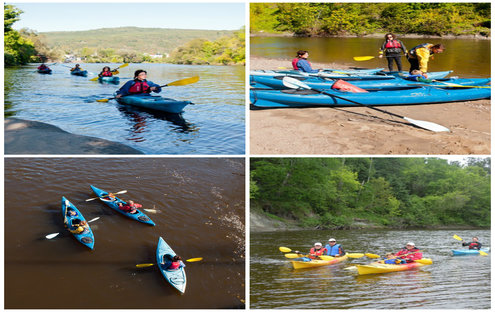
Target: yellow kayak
(377, 268)
(316, 263)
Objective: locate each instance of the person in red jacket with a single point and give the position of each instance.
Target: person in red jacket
(474, 244)
(317, 251)
(130, 207)
(409, 253)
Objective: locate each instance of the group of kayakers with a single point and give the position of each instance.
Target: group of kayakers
(393, 50)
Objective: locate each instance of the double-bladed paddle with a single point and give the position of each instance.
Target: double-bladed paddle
(296, 84)
(120, 192)
(121, 66)
(295, 255)
(480, 251)
(144, 265)
(181, 82)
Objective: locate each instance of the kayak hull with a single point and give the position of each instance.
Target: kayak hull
(379, 268)
(468, 252)
(421, 95)
(82, 73)
(347, 76)
(112, 79)
(176, 278)
(316, 263)
(321, 83)
(139, 216)
(87, 237)
(45, 71)
(157, 103)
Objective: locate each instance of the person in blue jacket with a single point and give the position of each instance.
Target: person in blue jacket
(334, 249)
(301, 62)
(138, 86)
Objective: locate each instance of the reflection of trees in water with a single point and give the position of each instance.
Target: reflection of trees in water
(140, 118)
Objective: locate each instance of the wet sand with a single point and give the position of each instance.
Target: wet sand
(359, 130)
(33, 137)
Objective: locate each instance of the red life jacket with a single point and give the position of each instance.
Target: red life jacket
(106, 74)
(139, 87)
(294, 63)
(318, 252)
(174, 265)
(392, 44)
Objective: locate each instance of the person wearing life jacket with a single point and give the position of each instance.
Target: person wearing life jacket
(409, 253)
(390, 258)
(419, 56)
(129, 207)
(77, 226)
(109, 197)
(474, 244)
(393, 49)
(172, 263)
(301, 62)
(106, 72)
(334, 249)
(76, 68)
(317, 251)
(138, 86)
(417, 75)
(43, 67)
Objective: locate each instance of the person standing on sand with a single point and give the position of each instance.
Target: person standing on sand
(393, 51)
(419, 56)
(301, 62)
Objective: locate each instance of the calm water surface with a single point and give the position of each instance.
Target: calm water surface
(450, 283)
(201, 213)
(342, 51)
(214, 125)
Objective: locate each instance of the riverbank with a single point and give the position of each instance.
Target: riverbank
(360, 130)
(33, 137)
(375, 35)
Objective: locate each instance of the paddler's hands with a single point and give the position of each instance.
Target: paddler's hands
(118, 96)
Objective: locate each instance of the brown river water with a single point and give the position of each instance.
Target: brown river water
(200, 213)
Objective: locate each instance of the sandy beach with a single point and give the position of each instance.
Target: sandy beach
(31, 137)
(364, 131)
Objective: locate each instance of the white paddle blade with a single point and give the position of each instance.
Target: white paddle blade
(427, 125)
(93, 219)
(50, 236)
(293, 83)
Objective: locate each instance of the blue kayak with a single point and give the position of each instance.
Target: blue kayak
(420, 95)
(321, 83)
(86, 237)
(468, 252)
(347, 76)
(112, 79)
(176, 278)
(78, 72)
(138, 216)
(157, 103)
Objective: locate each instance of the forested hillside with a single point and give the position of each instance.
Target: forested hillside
(327, 19)
(395, 192)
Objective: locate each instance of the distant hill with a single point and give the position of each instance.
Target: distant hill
(131, 39)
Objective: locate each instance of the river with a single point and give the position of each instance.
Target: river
(214, 125)
(466, 57)
(450, 283)
(200, 213)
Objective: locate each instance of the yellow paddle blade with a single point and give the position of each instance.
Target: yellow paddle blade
(355, 255)
(281, 67)
(185, 81)
(115, 72)
(144, 265)
(123, 65)
(194, 259)
(424, 261)
(457, 237)
(372, 256)
(103, 100)
(363, 58)
(351, 268)
(327, 257)
(94, 79)
(284, 249)
(483, 253)
(292, 255)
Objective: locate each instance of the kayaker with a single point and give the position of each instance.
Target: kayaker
(109, 197)
(390, 258)
(301, 62)
(334, 249)
(417, 75)
(71, 212)
(76, 68)
(138, 86)
(393, 49)
(106, 72)
(130, 207)
(419, 56)
(78, 226)
(474, 244)
(172, 263)
(43, 67)
(409, 253)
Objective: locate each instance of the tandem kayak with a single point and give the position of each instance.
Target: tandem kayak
(154, 102)
(86, 238)
(46, 71)
(176, 278)
(112, 79)
(321, 83)
(468, 252)
(139, 216)
(316, 263)
(420, 95)
(377, 268)
(83, 73)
